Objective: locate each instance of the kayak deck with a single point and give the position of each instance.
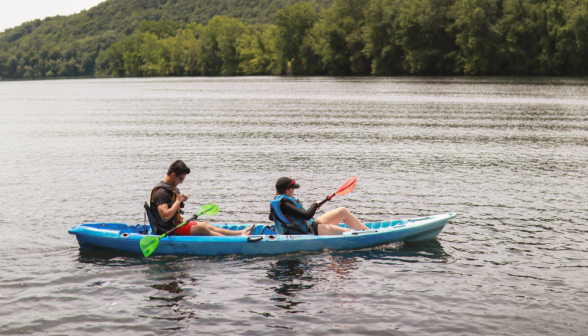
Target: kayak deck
(125, 238)
(142, 229)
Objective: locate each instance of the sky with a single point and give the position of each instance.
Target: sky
(15, 12)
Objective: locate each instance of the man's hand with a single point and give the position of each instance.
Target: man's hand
(180, 198)
(185, 197)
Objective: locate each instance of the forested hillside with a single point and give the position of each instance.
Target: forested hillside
(75, 45)
(346, 37)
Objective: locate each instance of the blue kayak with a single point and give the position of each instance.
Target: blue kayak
(125, 238)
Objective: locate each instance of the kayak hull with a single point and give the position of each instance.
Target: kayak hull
(125, 238)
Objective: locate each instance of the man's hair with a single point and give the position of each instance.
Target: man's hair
(178, 167)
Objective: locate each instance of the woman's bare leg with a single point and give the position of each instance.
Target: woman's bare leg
(339, 215)
(331, 230)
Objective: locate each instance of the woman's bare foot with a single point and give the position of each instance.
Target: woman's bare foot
(247, 231)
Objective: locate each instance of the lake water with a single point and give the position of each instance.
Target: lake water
(509, 155)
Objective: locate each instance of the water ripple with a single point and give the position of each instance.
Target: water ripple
(508, 154)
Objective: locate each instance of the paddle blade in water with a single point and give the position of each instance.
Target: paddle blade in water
(149, 244)
(209, 209)
(347, 187)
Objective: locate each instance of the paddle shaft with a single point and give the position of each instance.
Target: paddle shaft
(320, 204)
(149, 243)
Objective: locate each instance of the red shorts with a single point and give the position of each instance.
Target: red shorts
(185, 230)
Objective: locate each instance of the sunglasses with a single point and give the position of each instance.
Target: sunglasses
(291, 183)
(181, 178)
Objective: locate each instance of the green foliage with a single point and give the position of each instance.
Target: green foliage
(219, 43)
(380, 36)
(295, 49)
(524, 29)
(339, 38)
(567, 24)
(478, 36)
(259, 52)
(422, 34)
(161, 29)
(277, 37)
(45, 48)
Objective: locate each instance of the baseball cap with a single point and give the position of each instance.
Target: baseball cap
(284, 183)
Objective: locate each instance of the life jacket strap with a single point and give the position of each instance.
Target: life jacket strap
(291, 225)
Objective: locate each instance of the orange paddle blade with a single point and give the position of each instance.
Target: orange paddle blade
(347, 187)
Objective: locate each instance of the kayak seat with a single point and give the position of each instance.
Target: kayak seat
(150, 219)
(267, 230)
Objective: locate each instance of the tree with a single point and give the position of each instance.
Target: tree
(567, 23)
(115, 55)
(339, 38)
(149, 55)
(161, 29)
(524, 31)
(379, 35)
(429, 47)
(217, 46)
(478, 37)
(88, 65)
(294, 47)
(257, 52)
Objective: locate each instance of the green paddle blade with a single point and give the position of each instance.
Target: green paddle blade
(149, 244)
(209, 209)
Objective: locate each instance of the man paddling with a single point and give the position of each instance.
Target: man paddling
(166, 202)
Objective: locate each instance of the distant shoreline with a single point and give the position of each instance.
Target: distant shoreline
(291, 76)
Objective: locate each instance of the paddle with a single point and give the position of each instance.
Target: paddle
(149, 243)
(345, 189)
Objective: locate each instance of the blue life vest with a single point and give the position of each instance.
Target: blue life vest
(284, 224)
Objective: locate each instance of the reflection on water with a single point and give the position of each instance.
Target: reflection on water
(430, 250)
(299, 274)
(173, 283)
(172, 287)
(170, 301)
(293, 275)
(342, 267)
(108, 258)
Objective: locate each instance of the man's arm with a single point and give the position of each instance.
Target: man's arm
(165, 212)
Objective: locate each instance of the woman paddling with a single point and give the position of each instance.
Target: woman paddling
(291, 217)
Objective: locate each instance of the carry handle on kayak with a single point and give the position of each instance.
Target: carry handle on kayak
(355, 233)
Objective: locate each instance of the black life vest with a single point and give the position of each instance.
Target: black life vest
(176, 218)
